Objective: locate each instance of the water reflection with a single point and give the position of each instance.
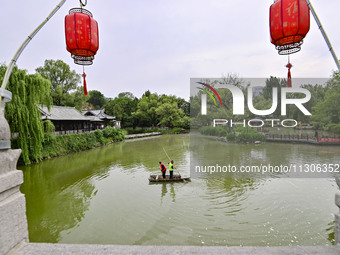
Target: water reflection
(68, 189)
(164, 189)
(330, 231)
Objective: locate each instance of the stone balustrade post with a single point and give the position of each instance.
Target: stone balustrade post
(13, 221)
(337, 215)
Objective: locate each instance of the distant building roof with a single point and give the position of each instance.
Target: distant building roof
(98, 115)
(61, 113)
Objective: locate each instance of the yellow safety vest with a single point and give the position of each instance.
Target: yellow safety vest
(171, 168)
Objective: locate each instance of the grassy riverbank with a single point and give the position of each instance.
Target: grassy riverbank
(54, 146)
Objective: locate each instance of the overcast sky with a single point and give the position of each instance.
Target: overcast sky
(160, 45)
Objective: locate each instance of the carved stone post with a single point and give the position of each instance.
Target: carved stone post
(337, 215)
(13, 222)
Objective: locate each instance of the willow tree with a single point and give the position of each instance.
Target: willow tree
(22, 112)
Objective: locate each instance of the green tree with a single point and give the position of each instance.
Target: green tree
(170, 115)
(122, 108)
(97, 99)
(261, 103)
(78, 100)
(126, 94)
(62, 79)
(274, 82)
(146, 110)
(22, 112)
(326, 113)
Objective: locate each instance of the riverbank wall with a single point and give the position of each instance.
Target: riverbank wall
(302, 139)
(134, 136)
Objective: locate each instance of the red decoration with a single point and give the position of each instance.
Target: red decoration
(289, 24)
(289, 80)
(81, 32)
(82, 39)
(84, 81)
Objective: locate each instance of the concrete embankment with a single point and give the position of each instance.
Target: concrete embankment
(134, 136)
(75, 249)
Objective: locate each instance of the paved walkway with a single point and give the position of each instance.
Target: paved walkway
(86, 249)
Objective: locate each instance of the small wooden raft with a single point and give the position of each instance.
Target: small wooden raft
(176, 178)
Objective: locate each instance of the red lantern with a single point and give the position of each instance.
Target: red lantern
(82, 39)
(289, 24)
(81, 32)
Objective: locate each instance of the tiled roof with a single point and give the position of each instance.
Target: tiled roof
(98, 115)
(61, 113)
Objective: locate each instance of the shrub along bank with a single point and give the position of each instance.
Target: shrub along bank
(240, 135)
(60, 145)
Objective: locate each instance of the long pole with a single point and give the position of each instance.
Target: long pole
(169, 159)
(323, 32)
(24, 44)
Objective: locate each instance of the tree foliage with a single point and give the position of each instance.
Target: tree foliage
(62, 78)
(326, 112)
(22, 112)
(78, 100)
(146, 114)
(122, 108)
(323, 105)
(126, 94)
(150, 110)
(97, 99)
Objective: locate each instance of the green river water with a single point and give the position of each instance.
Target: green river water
(103, 196)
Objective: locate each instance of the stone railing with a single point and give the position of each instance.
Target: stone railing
(337, 215)
(13, 220)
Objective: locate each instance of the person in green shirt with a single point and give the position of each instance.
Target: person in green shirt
(171, 169)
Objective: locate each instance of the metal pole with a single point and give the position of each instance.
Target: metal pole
(324, 34)
(25, 43)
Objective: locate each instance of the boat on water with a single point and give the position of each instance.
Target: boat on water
(176, 178)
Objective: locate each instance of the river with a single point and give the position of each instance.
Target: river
(103, 196)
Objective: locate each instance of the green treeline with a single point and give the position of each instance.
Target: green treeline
(324, 104)
(56, 84)
(151, 110)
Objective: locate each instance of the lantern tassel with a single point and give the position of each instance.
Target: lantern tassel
(289, 80)
(84, 80)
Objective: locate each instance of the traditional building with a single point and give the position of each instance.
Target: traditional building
(68, 120)
(99, 119)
